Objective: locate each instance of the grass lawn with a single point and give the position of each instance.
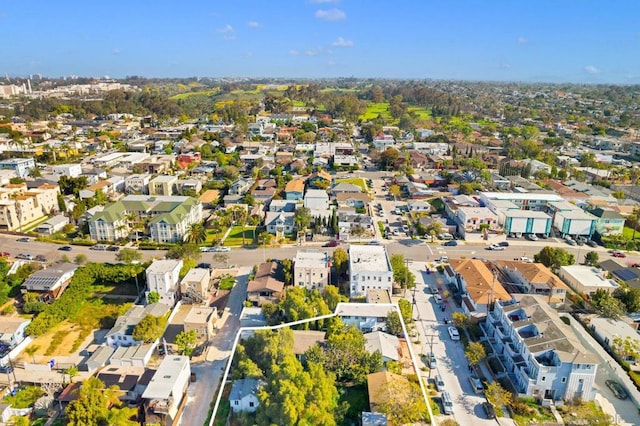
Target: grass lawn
(124, 289)
(235, 236)
(628, 233)
(358, 399)
(588, 412)
(537, 413)
(374, 110)
(423, 114)
(354, 181)
(199, 93)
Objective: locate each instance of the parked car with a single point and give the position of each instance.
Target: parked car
(205, 249)
(374, 243)
(503, 243)
(592, 243)
(531, 237)
(433, 363)
(98, 247)
(617, 389)
(570, 241)
(221, 249)
(451, 243)
(23, 240)
(442, 259)
(203, 265)
(476, 384)
(495, 247)
(113, 248)
(65, 248)
(332, 243)
(41, 258)
(543, 236)
(25, 256)
(618, 253)
(488, 410)
(445, 236)
(5, 254)
(453, 333)
(6, 369)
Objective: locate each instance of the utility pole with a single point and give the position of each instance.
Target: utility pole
(430, 336)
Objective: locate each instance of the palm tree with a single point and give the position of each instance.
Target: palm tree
(395, 191)
(197, 233)
(31, 350)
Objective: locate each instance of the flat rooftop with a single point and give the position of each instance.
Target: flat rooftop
(311, 259)
(588, 276)
(526, 213)
(368, 259)
(521, 196)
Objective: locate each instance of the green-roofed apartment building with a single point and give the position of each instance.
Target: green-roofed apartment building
(166, 219)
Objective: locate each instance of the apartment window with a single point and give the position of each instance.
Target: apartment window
(564, 380)
(251, 404)
(236, 402)
(544, 378)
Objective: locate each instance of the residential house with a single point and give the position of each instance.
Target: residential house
(312, 269)
(478, 285)
(279, 223)
(190, 187)
(294, 190)
(53, 225)
(263, 195)
(202, 319)
(319, 180)
(131, 382)
(617, 335)
(347, 221)
(534, 278)
(609, 222)
(369, 269)
(22, 166)
(137, 184)
(356, 201)
(209, 198)
(156, 164)
(475, 219)
(165, 218)
(316, 200)
(12, 333)
(194, 287)
(287, 206)
(240, 186)
(137, 355)
(387, 344)
(244, 395)
(630, 275)
(586, 279)
(51, 282)
(303, 340)
(121, 334)
(70, 170)
(163, 185)
(345, 160)
(574, 222)
(541, 355)
(166, 393)
(163, 277)
(523, 200)
(265, 285)
(344, 187)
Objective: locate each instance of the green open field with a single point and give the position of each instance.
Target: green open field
(235, 236)
(420, 112)
(354, 181)
(199, 93)
(374, 110)
(628, 233)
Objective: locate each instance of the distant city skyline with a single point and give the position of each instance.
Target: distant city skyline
(535, 41)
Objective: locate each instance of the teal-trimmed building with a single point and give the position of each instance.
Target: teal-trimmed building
(609, 222)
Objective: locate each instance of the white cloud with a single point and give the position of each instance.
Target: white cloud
(294, 52)
(115, 51)
(253, 24)
(590, 69)
(522, 40)
(331, 15)
(341, 42)
(229, 37)
(226, 29)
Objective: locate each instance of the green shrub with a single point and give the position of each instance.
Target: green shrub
(25, 397)
(227, 283)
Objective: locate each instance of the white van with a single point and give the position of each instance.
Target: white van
(439, 383)
(437, 298)
(447, 403)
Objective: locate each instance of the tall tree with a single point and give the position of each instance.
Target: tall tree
(497, 396)
(128, 255)
(554, 257)
(197, 234)
(475, 353)
(97, 406)
(186, 341)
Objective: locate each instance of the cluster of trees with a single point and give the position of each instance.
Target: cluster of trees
(78, 292)
(97, 405)
(554, 258)
(614, 305)
(149, 328)
(300, 303)
(401, 272)
(292, 392)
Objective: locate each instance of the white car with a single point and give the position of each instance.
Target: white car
(524, 259)
(453, 333)
(495, 247)
(220, 249)
(442, 259)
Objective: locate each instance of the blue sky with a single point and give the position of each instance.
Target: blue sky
(590, 41)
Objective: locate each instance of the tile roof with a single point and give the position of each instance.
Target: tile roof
(480, 284)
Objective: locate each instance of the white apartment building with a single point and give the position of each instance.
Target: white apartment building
(163, 277)
(137, 184)
(166, 390)
(70, 170)
(312, 269)
(369, 268)
(163, 185)
(22, 166)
